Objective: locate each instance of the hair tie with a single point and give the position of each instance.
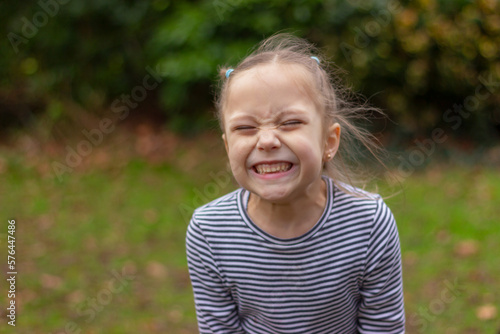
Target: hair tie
(228, 73)
(315, 58)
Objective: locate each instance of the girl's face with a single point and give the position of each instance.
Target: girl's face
(274, 133)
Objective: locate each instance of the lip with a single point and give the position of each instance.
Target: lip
(272, 176)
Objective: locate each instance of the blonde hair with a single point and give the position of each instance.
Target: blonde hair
(340, 105)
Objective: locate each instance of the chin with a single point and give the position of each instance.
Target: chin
(272, 196)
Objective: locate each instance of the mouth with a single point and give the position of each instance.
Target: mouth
(272, 168)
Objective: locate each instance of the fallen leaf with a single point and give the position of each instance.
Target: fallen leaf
(486, 312)
(466, 248)
(156, 270)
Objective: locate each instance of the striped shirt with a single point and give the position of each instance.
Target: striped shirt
(342, 276)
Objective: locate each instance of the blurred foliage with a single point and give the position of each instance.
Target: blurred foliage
(416, 58)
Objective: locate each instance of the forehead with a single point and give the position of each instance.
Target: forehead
(272, 75)
(270, 86)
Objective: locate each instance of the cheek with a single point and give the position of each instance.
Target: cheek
(312, 157)
(309, 147)
(237, 153)
(240, 145)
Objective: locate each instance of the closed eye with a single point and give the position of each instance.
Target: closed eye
(292, 123)
(244, 127)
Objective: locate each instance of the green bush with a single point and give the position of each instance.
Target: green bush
(417, 59)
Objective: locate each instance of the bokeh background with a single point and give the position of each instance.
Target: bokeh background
(108, 142)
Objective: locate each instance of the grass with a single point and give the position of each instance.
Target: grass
(448, 224)
(128, 217)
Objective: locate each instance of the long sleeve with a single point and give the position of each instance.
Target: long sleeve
(382, 308)
(216, 310)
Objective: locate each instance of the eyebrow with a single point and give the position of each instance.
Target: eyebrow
(291, 111)
(239, 117)
(285, 111)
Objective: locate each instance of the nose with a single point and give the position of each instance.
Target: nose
(268, 140)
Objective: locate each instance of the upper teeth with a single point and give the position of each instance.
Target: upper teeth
(273, 168)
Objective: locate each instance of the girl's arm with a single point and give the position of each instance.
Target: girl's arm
(216, 310)
(382, 308)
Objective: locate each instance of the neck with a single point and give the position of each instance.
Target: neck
(290, 219)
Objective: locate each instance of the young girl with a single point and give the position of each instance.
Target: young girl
(292, 250)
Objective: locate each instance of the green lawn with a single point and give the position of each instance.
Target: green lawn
(127, 219)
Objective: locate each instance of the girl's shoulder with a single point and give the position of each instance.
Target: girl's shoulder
(221, 214)
(228, 202)
(348, 198)
(353, 193)
(357, 204)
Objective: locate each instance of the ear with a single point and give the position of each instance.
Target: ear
(225, 142)
(332, 142)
